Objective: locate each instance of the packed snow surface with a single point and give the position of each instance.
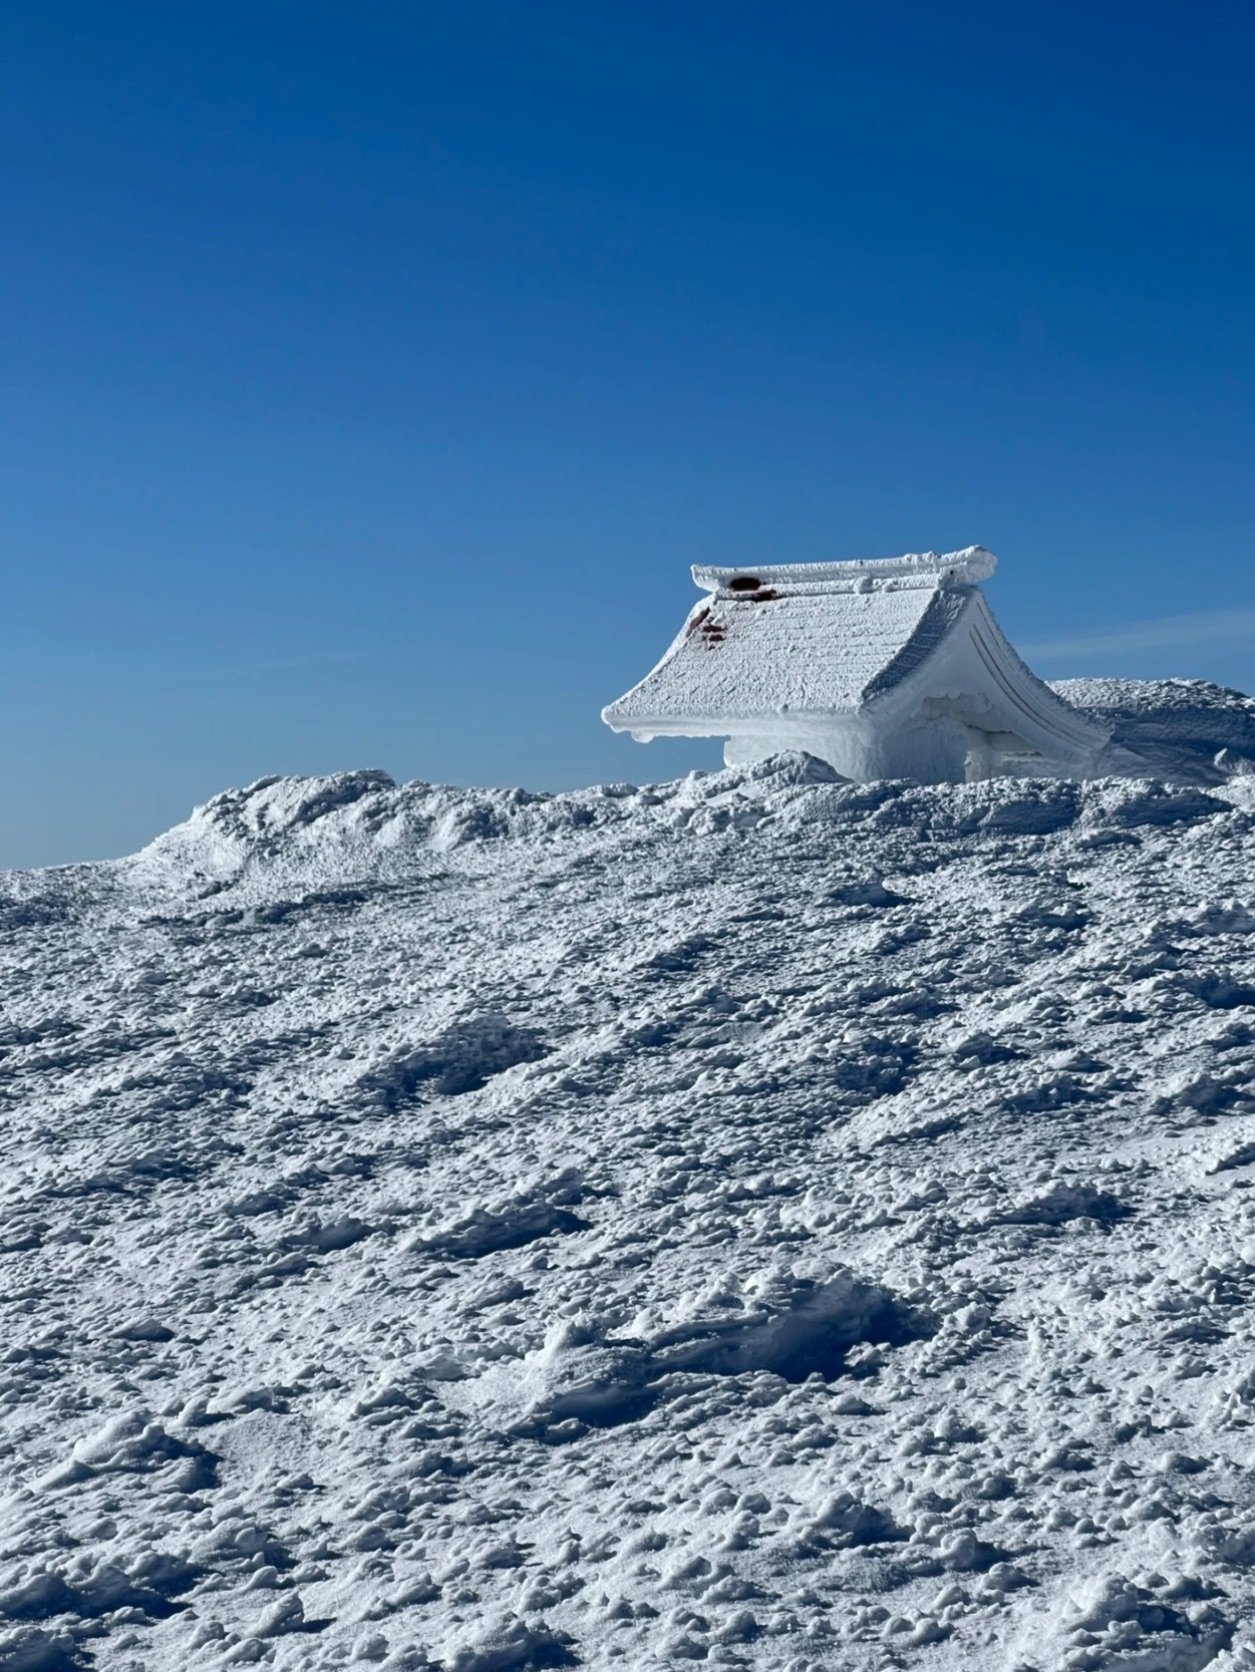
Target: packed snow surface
(756, 1220)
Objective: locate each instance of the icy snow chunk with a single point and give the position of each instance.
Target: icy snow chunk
(792, 1328)
(1127, 803)
(268, 816)
(326, 1238)
(31, 1650)
(462, 1059)
(1219, 989)
(793, 767)
(1002, 806)
(853, 1405)
(576, 1375)
(1233, 1545)
(272, 806)
(468, 821)
(129, 1442)
(146, 1329)
(795, 1326)
(371, 1647)
(870, 893)
(853, 1522)
(1122, 1622)
(1229, 917)
(538, 1210)
(982, 1050)
(1240, 1157)
(1064, 1201)
(969, 1554)
(287, 1614)
(508, 1645)
(1201, 1092)
(90, 1588)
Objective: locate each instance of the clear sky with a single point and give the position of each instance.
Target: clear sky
(372, 372)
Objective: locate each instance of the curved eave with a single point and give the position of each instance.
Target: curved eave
(620, 718)
(1055, 722)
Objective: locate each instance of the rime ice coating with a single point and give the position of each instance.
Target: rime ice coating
(892, 667)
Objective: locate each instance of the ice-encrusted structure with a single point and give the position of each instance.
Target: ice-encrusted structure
(889, 668)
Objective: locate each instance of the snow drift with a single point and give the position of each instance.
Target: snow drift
(757, 1220)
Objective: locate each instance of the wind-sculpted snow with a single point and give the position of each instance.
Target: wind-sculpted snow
(758, 1220)
(1185, 729)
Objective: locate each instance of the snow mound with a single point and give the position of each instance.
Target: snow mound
(461, 1059)
(1186, 730)
(793, 1326)
(509, 1645)
(292, 848)
(785, 1327)
(30, 1650)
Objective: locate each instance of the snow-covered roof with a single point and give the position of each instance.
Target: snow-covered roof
(880, 645)
(814, 638)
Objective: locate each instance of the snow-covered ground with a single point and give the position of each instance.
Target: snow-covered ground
(754, 1220)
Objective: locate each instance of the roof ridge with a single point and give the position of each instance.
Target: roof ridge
(965, 567)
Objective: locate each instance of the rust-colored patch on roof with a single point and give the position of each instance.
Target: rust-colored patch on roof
(711, 631)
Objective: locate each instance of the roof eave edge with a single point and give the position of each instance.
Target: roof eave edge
(657, 725)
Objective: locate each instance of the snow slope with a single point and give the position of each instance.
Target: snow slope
(1188, 730)
(756, 1220)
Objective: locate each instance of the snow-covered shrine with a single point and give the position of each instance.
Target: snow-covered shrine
(890, 668)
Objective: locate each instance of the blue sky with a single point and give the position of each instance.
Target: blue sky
(372, 373)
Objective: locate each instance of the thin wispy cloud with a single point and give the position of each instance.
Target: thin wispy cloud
(1205, 627)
